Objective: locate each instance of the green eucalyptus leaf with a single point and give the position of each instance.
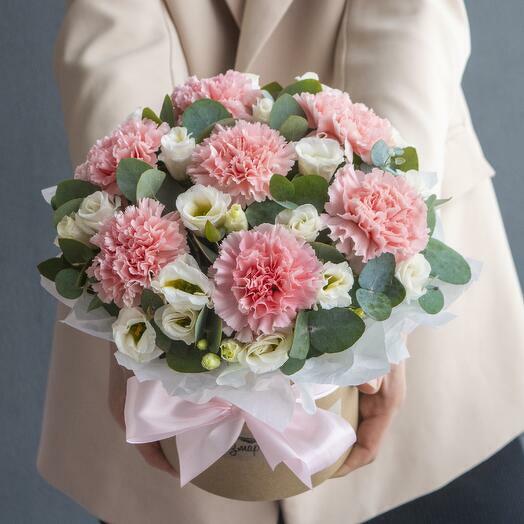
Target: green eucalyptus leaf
(128, 174)
(213, 331)
(432, 301)
(225, 122)
(150, 301)
(292, 365)
(327, 253)
(202, 114)
(167, 113)
(380, 154)
(395, 291)
(68, 284)
(263, 212)
(307, 85)
(76, 252)
(148, 113)
(184, 358)
(50, 267)
(168, 193)
(210, 255)
(334, 330)
(212, 233)
(112, 309)
(161, 339)
(281, 188)
(441, 201)
(410, 159)
(310, 189)
(300, 345)
(376, 305)
(149, 183)
(294, 128)
(273, 88)
(66, 209)
(284, 106)
(200, 324)
(446, 264)
(377, 273)
(95, 303)
(72, 189)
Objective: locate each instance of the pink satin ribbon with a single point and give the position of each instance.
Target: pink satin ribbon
(205, 432)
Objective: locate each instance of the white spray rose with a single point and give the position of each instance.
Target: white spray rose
(200, 204)
(68, 228)
(413, 274)
(95, 209)
(134, 335)
(309, 75)
(318, 156)
(177, 322)
(236, 219)
(262, 109)
(183, 284)
(176, 149)
(303, 221)
(266, 353)
(337, 283)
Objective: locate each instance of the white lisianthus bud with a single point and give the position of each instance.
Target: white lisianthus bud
(310, 75)
(262, 109)
(177, 322)
(176, 150)
(210, 361)
(318, 156)
(68, 228)
(413, 274)
(134, 335)
(337, 283)
(266, 353)
(200, 204)
(183, 284)
(303, 221)
(95, 209)
(235, 219)
(424, 183)
(229, 349)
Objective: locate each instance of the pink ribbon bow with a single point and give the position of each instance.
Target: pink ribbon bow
(205, 432)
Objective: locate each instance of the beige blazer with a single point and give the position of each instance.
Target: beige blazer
(405, 58)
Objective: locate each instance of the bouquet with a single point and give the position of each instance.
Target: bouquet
(250, 250)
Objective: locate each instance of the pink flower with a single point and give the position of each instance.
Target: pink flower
(135, 138)
(134, 246)
(240, 160)
(262, 278)
(234, 90)
(333, 113)
(374, 213)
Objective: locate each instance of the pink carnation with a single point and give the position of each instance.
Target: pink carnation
(234, 90)
(333, 113)
(134, 246)
(135, 138)
(374, 213)
(240, 160)
(263, 277)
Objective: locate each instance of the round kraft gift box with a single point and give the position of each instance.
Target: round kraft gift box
(243, 473)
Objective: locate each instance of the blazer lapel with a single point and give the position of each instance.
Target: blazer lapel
(260, 18)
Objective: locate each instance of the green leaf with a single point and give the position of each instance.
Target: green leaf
(395, 291)
(327, 253)
(446, 264)
(168, 192)
(200, 324)
(212, 233)
(95, 303)
(205, 250)
(310, 189)
(273, 88)
(292, 365)
(128, 173)
(66, 209)
(150, 301)
(334, 330)
(300, 345)
(226, 122)
(294, 128)
(263, 212)
(184, 358)
(441, 201)
(161, 339)
(147, 112)
(431, 219)
(281, 188)
(202, 114)
(72, 189)
(410, 159)
(149, 183)
(50, 267)
(112, 309)
(308, 85)
(284, 106)
(166, 113)
(380, 154)
(75, 252)
(377, 273)
(67, 283)
(376, 305)
(213, 331)
(432, 301)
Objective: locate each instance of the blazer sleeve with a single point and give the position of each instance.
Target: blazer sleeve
(406, 59)
(110, 58)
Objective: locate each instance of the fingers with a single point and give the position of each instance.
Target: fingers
(152, 453)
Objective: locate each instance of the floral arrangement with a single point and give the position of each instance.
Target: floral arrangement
(250, 236)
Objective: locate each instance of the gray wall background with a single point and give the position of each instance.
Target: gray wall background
(33, 155)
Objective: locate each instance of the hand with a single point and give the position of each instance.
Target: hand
(152, 451)
(379, 400)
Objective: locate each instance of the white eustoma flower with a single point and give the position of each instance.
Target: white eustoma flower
(262, 109)
(309, 75)
(229, 349)
(423, 182)
(337, 283)
(318, 156)
(236, 219)
(303, 221)
(413, 274)
(200, 204)
(177, 322)
(96, 209)
(266, 353)
(134, 335)
(176, 150)
(68, 228)
(183, 284)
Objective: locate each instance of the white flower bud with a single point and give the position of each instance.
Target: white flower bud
(96, 209)
(413, 274)
(255, 80)
(310, 75)
(303, 221)
(229, 349)
(235, 219)
(337, 283)
(176, 150)
(266, 353)
(68, 228)
(210, 361)
(262, 109)
(177, 322)
(318, 156)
